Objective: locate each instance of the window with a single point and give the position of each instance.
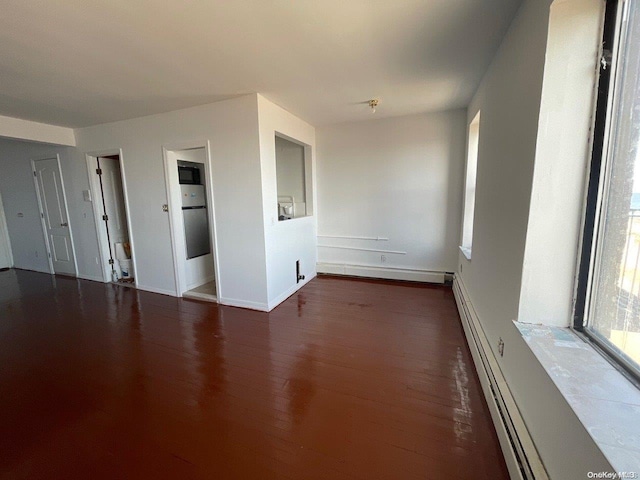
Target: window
(608, 300)
(470, 186)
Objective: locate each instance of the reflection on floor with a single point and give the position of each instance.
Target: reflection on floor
(205, 292)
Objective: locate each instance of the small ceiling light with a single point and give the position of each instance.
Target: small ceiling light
(373, 103)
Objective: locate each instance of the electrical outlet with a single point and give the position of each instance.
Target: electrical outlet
(383, 258)
(501, 347)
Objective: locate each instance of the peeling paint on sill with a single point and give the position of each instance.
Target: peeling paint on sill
(604, 400)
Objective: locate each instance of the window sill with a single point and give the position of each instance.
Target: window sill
(466, 252)
(588, 382)
(292, 220)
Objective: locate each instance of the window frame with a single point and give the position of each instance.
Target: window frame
(470, 185)
(604, 124)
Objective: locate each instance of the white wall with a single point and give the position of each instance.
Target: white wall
(562, 153)
(231, 127)
(397, 178)
(510, 98)
(294, 239)
(19, 129)
(22, 212)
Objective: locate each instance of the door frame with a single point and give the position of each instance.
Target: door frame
(5, 232)
(66, 210)
(172, 185)
(91, 159)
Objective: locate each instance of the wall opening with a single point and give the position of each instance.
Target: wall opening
(291, 177)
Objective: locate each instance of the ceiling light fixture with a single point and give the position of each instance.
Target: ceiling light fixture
(373, 103)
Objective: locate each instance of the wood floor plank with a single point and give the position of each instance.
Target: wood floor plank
(347, 379)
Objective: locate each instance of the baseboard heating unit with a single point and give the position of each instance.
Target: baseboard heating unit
(518, 448)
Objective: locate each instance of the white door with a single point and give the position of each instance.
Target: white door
(54, 215)
(113, 195)
(6, 260)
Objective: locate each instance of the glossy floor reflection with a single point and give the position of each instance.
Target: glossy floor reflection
(346, 379)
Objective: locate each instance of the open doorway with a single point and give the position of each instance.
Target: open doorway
(192, 221)
(108, 196)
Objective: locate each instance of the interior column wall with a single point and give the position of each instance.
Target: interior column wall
(561, 163)
(290, 240)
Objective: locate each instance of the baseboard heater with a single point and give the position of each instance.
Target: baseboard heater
(518, 448)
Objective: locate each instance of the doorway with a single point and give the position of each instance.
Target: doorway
(54, 215)
(192, 221)
(108, 195)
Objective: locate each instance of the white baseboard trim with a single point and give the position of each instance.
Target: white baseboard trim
(387, 273)
(281, 298)
(161, 291)
(233, 302)
(521, 456)
(93, 278)
(16, 267)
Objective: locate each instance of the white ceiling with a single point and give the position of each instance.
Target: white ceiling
(78, 62)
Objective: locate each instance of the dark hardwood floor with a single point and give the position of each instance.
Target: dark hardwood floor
(345, 380)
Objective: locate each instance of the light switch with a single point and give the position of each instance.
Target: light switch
(87, 195)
